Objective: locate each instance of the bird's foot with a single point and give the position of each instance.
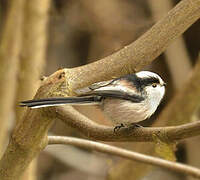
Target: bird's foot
(129, 127)
(117, 128)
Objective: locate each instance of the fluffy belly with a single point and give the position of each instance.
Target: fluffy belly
(125, 112)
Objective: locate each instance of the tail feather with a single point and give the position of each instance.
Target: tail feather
(61, 101)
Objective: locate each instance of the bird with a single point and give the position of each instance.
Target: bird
(125, 101)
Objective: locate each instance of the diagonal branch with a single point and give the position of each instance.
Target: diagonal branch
(141, 52)
(181, 168)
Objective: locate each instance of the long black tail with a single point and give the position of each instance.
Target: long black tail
(61, 101)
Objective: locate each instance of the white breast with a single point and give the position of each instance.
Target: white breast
(154, 97)
(125, 112)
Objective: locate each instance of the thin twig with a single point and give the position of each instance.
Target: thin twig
(181, 168)
(78, 158)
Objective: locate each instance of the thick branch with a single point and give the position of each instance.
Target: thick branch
(99, 132)
(181, 168)
(143, 51)
(176, 53)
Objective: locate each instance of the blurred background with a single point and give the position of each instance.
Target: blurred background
(83, 31)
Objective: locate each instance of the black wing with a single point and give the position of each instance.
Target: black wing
(91, 95)
(38, 103)
(114, 89)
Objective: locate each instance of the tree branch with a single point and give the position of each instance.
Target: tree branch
(181, 168)
(141, 52)
(92, 130)
(176, 53)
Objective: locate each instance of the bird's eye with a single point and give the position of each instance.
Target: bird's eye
(154, 85)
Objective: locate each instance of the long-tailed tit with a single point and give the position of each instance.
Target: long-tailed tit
(125, 100)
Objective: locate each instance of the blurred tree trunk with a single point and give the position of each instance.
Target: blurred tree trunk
(10, 46)
(33, 55)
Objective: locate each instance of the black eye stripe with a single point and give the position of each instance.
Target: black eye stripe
(149, 81)
(140, 83)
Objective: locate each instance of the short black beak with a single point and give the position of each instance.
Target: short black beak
(164, 84)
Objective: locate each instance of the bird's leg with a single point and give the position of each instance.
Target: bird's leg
(129, 127)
